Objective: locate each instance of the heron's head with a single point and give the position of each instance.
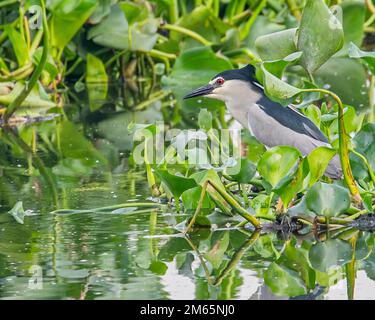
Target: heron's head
(227, 85)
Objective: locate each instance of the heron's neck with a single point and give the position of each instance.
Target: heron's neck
(240, 102)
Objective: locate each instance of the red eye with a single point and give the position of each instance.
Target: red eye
(220, 81)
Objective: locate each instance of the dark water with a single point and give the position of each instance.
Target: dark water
(137, 252)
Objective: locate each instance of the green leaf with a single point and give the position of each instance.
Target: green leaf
(50, 65)
(67, 19)
(144, 35)
(134, 11)
(96, 81)
(177, 185)
(332, 253)
(265, 248)
(75, 145)
(283, 281)
(277, 45)
(354, 14)
(204, 175)
(278, 90)
(18, 213)
(314, 114)
(205, 119)
(190, 199)
(216, 254)
(102, 10)
(173, 247)
(328, 200)
(288, 187)
(347, 78)
(33, 101)
(320, 35)
(318, 160)
(277, 162)
(367, 56)
(296, 258)
(242, 172)
(158, 267)
(192, 69)
(204, 22)
(19, 45)
(277, 67)
(112, 32)
(364, 143)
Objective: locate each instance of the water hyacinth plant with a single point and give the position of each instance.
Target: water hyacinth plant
(90, 89)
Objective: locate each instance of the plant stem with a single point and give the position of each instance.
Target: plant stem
(143, 105)
(370, 6)
(245, 31)
(173, 11)
(241, 211)
(199, 207)
(237, 257)
(187, 32)
(7, 3)
(36, 74)
(114, 207)
(36, 160)
(294, 9)
(343, 146)
(369, 169)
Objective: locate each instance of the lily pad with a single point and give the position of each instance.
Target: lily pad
(328, 200)
(329, 254)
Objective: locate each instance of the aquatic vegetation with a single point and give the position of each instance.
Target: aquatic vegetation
(89, 89)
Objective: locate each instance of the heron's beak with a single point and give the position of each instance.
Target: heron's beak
(202, 91)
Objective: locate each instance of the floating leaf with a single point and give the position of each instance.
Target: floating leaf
(320, 35)
(329, 254)
(296, 258)
(283, 281)
(328, 200)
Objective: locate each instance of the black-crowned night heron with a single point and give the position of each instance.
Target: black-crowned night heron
(269, 122)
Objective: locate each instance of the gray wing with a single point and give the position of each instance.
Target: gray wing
(273, 124)
(291, 118)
